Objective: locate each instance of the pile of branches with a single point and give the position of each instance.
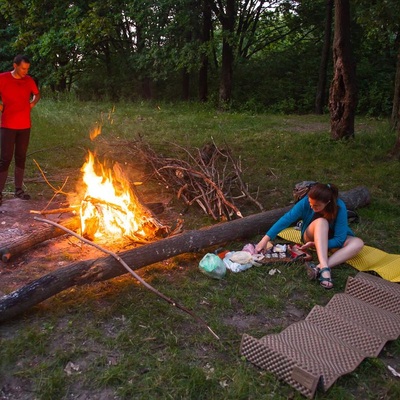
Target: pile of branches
(209, 177)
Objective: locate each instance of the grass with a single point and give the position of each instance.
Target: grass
(117, 340)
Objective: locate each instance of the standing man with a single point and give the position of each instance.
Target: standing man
(19, 94)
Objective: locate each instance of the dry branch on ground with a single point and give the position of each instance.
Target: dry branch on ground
(209, 177)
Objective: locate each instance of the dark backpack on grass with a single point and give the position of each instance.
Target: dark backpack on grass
(301, 189)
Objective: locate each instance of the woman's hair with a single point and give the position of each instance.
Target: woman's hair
(326, 193)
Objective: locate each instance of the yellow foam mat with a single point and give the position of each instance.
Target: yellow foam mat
(369, 259)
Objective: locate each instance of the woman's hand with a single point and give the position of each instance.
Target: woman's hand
(262, 244)
(307, 245)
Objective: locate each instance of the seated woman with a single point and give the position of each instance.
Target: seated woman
(324, 227)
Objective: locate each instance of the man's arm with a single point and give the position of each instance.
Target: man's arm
(35, 99)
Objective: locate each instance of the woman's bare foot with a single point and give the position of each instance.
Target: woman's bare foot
(325, 278)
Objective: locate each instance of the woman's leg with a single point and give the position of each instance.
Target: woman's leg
(317, 232)
(352, 246)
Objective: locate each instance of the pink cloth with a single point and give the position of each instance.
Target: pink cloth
(250, 248)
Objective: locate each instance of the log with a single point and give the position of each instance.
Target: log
(29, 240)
(96, 270)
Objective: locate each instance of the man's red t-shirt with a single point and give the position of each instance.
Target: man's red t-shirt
(16, 96)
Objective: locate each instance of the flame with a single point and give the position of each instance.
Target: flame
(96, 131)
(109, 207)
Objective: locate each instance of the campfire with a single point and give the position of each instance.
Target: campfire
(110, 208)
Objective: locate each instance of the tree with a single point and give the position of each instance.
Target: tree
(46, 31)
(239, 21)
(381, 22)
(395, 118)
(343, 92)
(320, 97)
(7, 33)
(205, 40)
(395, 152)
(264, 53)
(227, 18)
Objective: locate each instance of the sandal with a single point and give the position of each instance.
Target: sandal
(312, 271)
(326, 283)
(21, 194)
(298, 254)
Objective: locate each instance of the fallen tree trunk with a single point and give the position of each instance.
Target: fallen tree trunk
(90, 271)
(29, 240)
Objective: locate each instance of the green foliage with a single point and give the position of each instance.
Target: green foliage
(278, 82)
(113, 50)
(376, 51)
(7, 33)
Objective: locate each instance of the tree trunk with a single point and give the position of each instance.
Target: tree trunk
(205, 40)
(395, 120)
(90, 271)
(321, 96)
(225, 87)
(395, 152)
(227, 20)
(145, 81)
(110, 71)
(343, 93)
(185, 85)
(29, 240)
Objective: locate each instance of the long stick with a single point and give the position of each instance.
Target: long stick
(133, 273)
(55, 211)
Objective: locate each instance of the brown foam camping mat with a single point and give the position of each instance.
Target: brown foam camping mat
(332, 340)
(368, 259)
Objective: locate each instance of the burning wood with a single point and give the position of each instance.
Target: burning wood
(110, 207)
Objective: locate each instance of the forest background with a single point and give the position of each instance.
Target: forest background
(113, 340)
(257, 56)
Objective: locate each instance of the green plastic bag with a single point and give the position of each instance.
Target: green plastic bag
(212, 266)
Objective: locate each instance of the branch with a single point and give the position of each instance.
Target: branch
(133, 273)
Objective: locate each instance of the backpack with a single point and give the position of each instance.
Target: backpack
(301, 189)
